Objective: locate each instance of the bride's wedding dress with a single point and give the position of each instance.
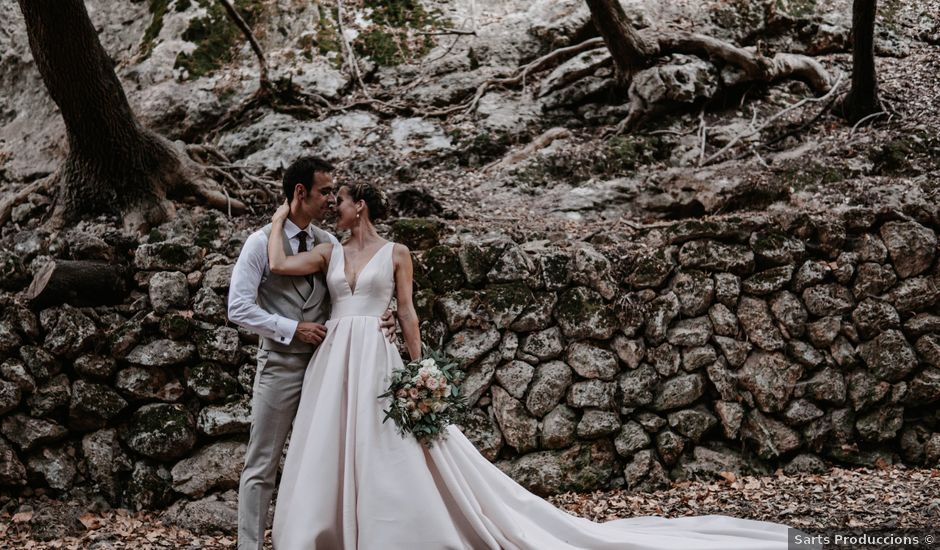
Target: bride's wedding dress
(352, 482)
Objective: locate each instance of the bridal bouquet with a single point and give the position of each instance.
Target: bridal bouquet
(425, 397)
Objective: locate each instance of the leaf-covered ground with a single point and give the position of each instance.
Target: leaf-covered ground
(860, 498)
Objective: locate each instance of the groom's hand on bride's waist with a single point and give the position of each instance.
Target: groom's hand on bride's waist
(388, 325)
(311, 333)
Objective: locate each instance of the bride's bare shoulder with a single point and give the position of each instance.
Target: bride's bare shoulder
(401, 255)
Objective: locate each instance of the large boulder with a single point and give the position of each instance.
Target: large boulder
(582, 467)
(210, 382)
(55, 465)
(69, 332)
(715, 256)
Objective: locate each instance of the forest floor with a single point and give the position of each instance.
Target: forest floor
(893, 497)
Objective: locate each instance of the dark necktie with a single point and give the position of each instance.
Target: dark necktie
(302, 247)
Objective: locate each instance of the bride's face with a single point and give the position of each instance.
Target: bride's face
(347, 209)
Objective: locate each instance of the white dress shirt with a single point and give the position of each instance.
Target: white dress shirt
(249, 271)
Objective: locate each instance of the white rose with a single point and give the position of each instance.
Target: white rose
(427, 363)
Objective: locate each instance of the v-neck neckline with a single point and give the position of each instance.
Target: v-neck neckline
(352, 289)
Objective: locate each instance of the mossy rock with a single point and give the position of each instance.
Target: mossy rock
(13, 275)
(424, 303)
(651, 271)
(93, 405)
(483, 148)
(175, 326)
(150, 487)
(210, 382)
(161, 431)
(582, 313)
(443, 269)
(505, 302)
(590, 466)
(556, 269)
(477, 260)
(417, 233)
(207, 232)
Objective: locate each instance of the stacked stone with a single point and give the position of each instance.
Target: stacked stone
(733, 346)
(141, 403)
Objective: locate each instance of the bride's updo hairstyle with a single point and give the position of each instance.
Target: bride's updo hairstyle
(373, 197)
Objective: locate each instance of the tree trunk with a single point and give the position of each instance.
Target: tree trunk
(862, 99)
(631, 52)
(114, 165)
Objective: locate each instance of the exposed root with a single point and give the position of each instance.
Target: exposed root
(757, 129)
(519, 76)
(756, 66)
(540, 142)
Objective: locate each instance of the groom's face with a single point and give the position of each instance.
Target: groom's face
(318, 202)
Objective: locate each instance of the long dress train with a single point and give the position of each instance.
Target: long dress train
(352, 482)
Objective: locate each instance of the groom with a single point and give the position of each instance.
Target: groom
(288, 314)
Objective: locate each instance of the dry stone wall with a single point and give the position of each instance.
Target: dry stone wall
(730, 345)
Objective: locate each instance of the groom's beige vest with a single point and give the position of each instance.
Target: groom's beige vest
(292, 297)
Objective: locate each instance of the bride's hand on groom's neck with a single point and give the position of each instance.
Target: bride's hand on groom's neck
(281, 213)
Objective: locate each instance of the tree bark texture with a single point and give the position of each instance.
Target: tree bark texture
(863, 97)
(78, 283)
(114, 165)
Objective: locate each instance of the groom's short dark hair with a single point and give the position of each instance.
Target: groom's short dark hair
(301, 171)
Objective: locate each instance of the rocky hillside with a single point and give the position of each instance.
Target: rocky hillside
(184, 66)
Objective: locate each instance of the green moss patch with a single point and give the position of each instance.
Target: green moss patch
(396, 34)
(215, 36)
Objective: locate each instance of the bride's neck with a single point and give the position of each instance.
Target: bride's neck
(362, 234)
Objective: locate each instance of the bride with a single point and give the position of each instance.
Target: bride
(352, 482)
